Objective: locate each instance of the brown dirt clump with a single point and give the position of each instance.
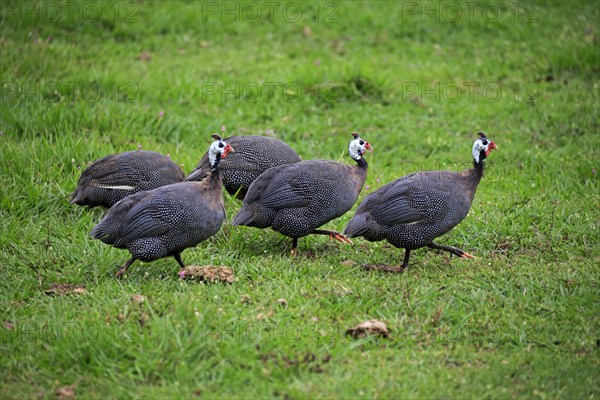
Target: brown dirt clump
(208, 273)
(370, 327)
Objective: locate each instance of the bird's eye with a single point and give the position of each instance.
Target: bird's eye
(484, 142)
(362, 142)
(221, 145)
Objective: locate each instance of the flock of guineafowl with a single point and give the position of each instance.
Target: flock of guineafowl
(155, 211)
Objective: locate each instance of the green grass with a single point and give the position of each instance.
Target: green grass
(521, 320)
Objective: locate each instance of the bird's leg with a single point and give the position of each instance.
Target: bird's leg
(124, 267)
(451, 250)
(332, 235)
(177, 257)
(405, 262)
(294, 252)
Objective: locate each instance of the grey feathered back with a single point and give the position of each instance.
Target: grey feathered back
(295, 199)
(253, 155)
(160, 222)
(117, 176)
(412, 211)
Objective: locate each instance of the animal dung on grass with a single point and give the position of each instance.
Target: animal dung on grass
(208, 273)
(370, 327)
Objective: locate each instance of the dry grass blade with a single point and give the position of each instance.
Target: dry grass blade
(64, 289)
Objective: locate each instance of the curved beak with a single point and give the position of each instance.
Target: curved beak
(491, 147)
(228, 149)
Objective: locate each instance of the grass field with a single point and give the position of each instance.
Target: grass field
(417, 80)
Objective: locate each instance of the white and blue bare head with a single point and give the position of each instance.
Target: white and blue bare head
(218, 149)
(482, 147)
(358, 147)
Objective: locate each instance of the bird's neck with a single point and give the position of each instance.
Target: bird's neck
(360, 173)
(476, 173)
(478, 168)
(215, 177)
(362, 163)
(478, 164)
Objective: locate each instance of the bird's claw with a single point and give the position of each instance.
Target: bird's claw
(464, 254)
(340, 237)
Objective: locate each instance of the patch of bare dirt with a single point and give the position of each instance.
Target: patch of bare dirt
(146, 56)
(64, 289)
(66, 392)
(310, 361)
(208, 273)
(384, 268)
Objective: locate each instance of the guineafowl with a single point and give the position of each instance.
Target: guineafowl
(253, 156)
(296, 199)
(414, 210)
(116, 176)
(165, 221)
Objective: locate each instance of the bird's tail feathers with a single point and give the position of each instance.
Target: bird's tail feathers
(244, 217)
(76, 197)
(357, 226)
(197, 175)
(103, 233)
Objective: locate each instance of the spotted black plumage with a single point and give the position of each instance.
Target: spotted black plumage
(117, 176)
(253, 156)
(163, 222)
(414, 210)
(295, 199)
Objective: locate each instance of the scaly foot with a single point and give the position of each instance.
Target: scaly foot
(340, 237)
